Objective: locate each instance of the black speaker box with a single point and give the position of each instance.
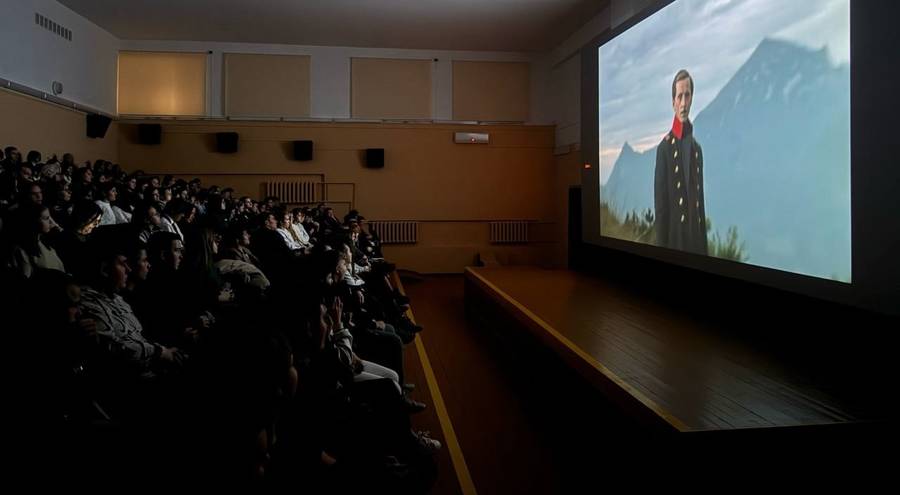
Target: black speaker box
(375, 157)
(97, 125)
(149, 133)
(227, 142)
(303, 150)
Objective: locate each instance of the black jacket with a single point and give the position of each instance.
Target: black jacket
(680, 209)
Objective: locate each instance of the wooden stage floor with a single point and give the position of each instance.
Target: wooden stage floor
(681, 369)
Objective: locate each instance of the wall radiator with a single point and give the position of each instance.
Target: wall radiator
(294, 192)
(509, 232)
(396, 231)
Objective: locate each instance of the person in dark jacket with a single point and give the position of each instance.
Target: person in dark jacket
(678, 186)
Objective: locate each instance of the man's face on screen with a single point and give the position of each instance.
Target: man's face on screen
(684, 96)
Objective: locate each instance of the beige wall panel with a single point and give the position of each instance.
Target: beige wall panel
(162, 83)
(390, 88)
(490, 91)
(266, 85)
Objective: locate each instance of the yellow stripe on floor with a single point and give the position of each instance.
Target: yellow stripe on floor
(456, 455)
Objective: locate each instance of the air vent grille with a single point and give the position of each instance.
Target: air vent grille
(53, 26)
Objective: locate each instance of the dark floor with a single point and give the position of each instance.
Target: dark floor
(524, 423)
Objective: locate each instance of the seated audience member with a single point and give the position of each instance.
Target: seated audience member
(32, 223)
(83, 184)
(34, 159)
(112, 214)
(61, 206)
(173, 216)
(238, 265)
(237, 246)
(201, 276)
(146, 220)
(369, 242)
(271, 248)
(11, 160)
(14, 181)
(33, 194)
(287, 233)
(329, 222)
(298, 230)
(48, 171)
(167, 307)
(364, 370)
(72, 243)
(191, 212)
(128, 194)
(139, 263)
(117, 327)
(309, 222)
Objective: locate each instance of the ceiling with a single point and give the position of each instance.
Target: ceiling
(484, 25)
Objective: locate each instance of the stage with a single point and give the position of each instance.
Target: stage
(681, 370)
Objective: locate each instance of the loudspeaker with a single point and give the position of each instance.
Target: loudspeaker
(375, 157)
(149, 133)
(97, 125)
(303, 150)
(227, 142)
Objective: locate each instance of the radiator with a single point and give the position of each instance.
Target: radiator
(294, 192)
(509, 232)
(396, 231)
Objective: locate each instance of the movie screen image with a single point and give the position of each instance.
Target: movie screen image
(725, 132)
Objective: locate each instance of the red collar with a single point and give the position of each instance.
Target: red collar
(677, 128)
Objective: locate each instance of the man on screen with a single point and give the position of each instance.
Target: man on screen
(678, 184)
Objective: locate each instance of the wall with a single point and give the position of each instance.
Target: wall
(31, 124)
(560, 76)
(454, 188)
(557, 76)
(330, 70)
(35, 57)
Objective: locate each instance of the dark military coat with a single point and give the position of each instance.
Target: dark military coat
(680, 211)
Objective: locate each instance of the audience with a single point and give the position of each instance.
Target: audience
(170, 340)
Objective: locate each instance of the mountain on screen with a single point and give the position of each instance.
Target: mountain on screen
(777, 161)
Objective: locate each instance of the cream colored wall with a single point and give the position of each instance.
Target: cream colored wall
(454, 189)
(31, 124)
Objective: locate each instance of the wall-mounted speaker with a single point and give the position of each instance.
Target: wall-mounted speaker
(149, 133)
(375, 157)
(303, 150)
(227, 142)
(97, 125)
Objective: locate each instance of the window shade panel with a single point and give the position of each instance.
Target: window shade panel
(266, 85)
(391, 88)
(490, 91)
(156, 83)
